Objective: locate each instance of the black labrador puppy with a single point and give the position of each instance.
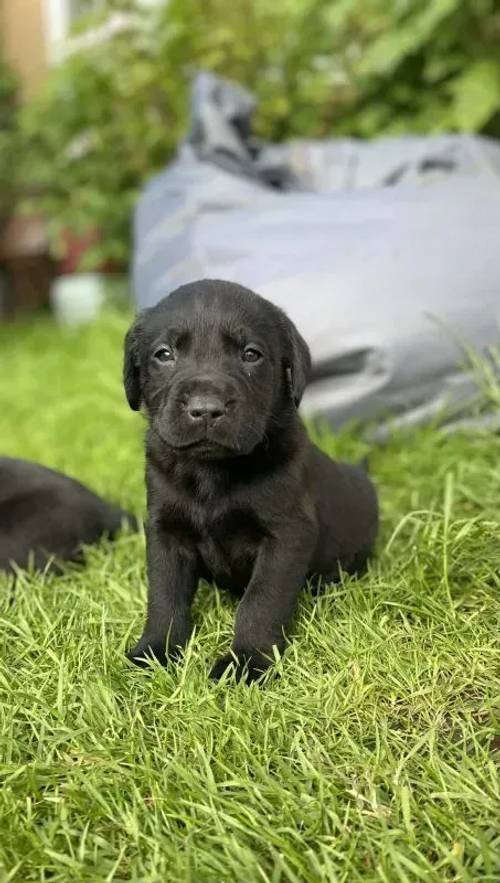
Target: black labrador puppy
(46, 517)
(237, 493)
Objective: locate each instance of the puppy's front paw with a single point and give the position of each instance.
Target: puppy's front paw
(146, 651)
(246, 667)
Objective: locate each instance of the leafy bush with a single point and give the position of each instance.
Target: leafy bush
(111, 115)
(8, 139)
(108, 117)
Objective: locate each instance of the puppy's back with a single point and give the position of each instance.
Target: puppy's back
(45, 514)
(347, 510)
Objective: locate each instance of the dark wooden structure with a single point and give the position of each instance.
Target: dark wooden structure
(26, 266)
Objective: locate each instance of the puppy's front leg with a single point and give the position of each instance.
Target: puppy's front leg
(269, 603)
(172, 582)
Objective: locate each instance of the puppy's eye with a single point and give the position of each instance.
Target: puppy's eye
(251, 354)
(164, 354)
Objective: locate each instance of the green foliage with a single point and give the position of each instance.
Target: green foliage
(112, 114)
(107, 118)
(8, 139)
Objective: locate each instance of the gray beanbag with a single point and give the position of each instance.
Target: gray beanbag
(385, 254)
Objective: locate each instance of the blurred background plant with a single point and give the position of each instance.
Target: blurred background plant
(112, 113)
(9, 140)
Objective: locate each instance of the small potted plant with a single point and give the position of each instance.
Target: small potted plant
(85, 280)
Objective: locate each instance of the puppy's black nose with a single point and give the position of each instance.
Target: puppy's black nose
(205, 407)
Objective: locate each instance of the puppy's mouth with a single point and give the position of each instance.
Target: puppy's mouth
(205, 445)
(204, 448)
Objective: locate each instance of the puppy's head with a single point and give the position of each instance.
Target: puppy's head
(216, 367)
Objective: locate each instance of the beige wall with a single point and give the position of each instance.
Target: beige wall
(23, 40)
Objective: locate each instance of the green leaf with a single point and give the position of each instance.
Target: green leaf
(476, 95)
(402, 39)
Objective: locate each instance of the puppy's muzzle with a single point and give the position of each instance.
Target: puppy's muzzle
(208, 408)
(203, 406)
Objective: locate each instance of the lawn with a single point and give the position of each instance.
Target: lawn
(372, 754)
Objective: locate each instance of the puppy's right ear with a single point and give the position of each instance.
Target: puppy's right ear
(131, 368)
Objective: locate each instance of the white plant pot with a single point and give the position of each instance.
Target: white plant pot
(77, 297)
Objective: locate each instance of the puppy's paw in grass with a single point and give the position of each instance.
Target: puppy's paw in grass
(146, 652)
(143, 657)
(246, 668)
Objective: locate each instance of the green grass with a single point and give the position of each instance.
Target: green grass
(371, 757)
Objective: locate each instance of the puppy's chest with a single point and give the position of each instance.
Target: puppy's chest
(229, 545)
(227, 540)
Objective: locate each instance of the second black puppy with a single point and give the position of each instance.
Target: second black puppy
(237, 493)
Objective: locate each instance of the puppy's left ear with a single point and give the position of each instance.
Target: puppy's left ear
(131, 368)
(297, 360)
